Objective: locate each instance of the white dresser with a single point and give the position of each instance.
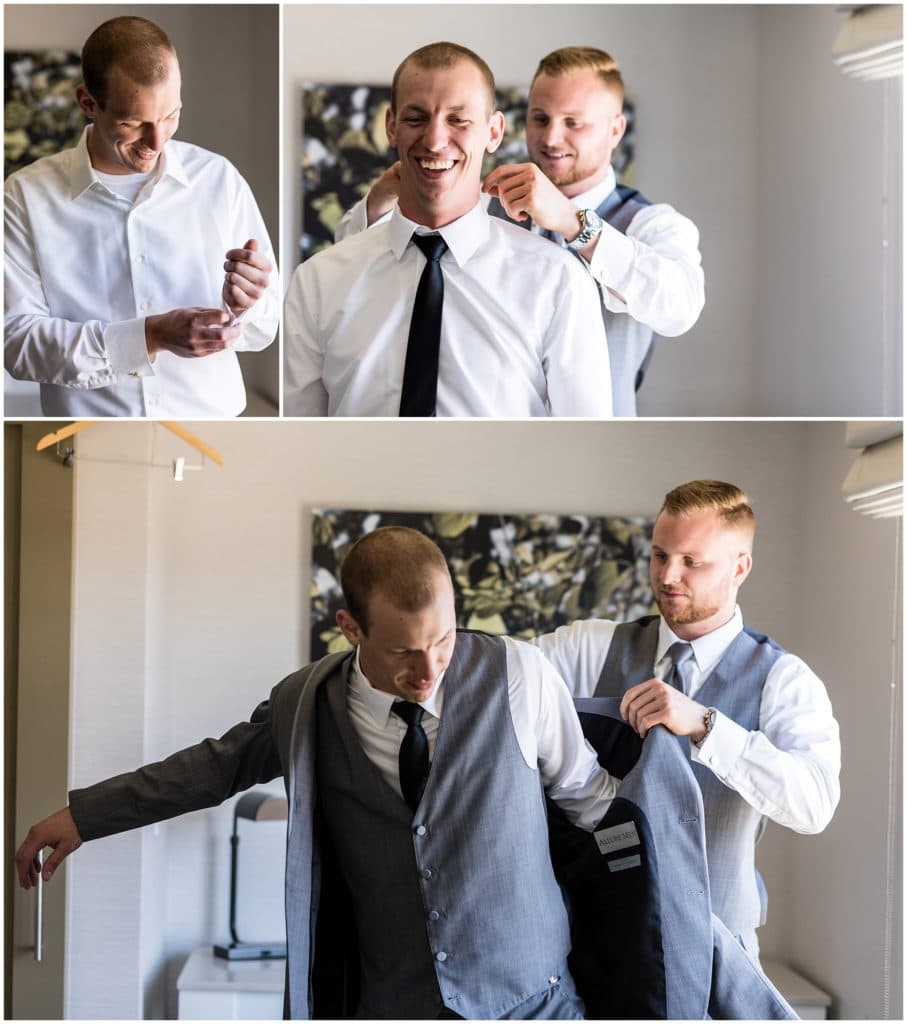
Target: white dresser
(209, 988)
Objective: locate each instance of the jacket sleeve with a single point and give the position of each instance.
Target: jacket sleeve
(200, 776)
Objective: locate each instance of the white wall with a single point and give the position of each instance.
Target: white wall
(785, 298)
(206, 584)
(229, 56)
(828, 338)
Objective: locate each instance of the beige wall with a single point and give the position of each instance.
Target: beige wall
(208, 599)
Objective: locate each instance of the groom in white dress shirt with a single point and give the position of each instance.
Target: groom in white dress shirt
(530, 343)
(643, 256)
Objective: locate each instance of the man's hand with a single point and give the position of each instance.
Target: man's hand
(190, 333)
(524, 191)
(656, 703)
(383, 194)
(58, 831)
(246, 279)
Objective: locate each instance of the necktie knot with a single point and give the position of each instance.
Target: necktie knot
(410, 713)
(432, 247)
(681, 654)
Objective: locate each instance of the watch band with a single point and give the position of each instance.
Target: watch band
(708, 720)
(590, 225)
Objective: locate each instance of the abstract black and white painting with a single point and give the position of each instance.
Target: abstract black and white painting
(519, 575)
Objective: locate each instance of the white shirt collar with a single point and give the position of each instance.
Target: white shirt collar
(463, 235)
(708, 649)
(378, 703)
(82, 175)
(595, 196)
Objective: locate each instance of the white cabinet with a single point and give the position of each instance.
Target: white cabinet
(210, 988)
(807, 999)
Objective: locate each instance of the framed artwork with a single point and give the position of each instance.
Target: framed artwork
(516, 575)
(345, 149)
(41, 115)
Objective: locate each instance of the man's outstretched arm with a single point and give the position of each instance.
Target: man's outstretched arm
(200, 776)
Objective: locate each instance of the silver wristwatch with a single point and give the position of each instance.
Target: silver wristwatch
(708, 720)
(590, 226)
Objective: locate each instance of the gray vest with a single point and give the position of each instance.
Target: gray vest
(630, 343)
(456, 905)
(732, 827)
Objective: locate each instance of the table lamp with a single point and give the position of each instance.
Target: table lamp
(253, 807)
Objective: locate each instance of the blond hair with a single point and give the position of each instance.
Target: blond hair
(443, 55)
(729, 502)
(400, 562)
(583, 58)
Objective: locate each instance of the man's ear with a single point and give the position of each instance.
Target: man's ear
(495, 131)
(390, 126)
(87, 103)
(349, 627)
(618, 128)
(742, 568)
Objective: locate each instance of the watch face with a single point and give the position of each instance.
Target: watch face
(594, 223)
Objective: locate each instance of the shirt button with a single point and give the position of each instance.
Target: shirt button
(441, 957)
(420, 830)
(140, 258)
(433, 915)
(426, 872)
(144, 305)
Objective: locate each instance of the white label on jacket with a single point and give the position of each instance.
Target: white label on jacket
(622, 863)
(618, 837)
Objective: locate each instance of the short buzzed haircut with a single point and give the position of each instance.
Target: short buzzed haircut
(731, 504)
(443, 55)
(396, 560)
(139, 46)
(583, 58)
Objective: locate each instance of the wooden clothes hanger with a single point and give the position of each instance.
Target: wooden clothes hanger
(175, 428)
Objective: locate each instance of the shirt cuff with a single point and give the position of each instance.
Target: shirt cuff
(612, 261)
(126, 349)
(723, 747)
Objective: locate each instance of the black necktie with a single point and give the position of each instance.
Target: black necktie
(414, 763)
(420, 373)
(680, 654)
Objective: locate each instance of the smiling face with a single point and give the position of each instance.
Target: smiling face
(442, 127)
(405, 652)
(574, 125)
(136, 121)
(696, 568)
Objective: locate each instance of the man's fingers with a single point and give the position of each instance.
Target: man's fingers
(241, 293)
(56, 859)
(257, 275)
(248, 254)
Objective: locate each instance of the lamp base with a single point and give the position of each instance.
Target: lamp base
(252, 951)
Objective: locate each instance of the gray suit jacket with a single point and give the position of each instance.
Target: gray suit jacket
(645, 941)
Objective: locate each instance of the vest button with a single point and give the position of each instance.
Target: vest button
(433, 915)
(426, 872)
(441, 957)
(420, 830)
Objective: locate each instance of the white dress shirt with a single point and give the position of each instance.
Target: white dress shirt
(787, 769)
(512, 345)
(85, 266)
(655, 268)
(547, 730)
